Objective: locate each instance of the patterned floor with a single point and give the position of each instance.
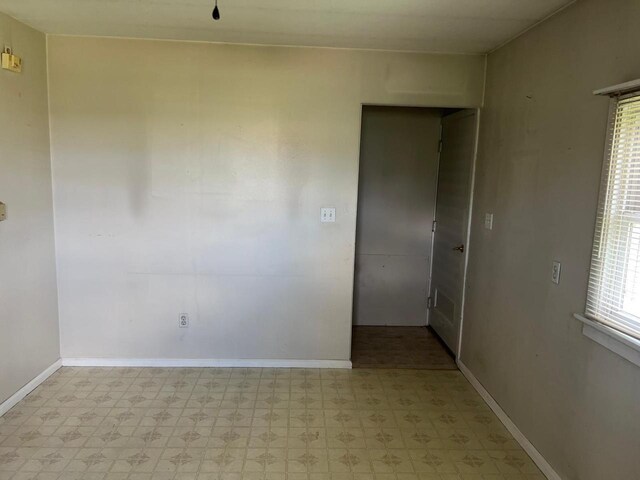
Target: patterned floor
(399, 347)
(257, 424)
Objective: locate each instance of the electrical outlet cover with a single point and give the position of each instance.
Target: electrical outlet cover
(183, 320)
(555, 273)
(488, 221)
(327, 214)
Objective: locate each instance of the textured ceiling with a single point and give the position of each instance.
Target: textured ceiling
(456, 26)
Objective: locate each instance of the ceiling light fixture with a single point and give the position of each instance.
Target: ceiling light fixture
(216, 12)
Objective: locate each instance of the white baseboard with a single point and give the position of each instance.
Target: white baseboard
(203, 362)
(527, 446)
(10, 402)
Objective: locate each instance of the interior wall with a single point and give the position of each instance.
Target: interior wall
(396, 204)
(539, 165)
(29, 341)
(189, 178)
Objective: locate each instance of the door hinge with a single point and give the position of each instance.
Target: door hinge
(434, 225)
(439, 146)
(429, 303)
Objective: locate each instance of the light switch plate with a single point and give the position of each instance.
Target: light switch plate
(555, 272)
(327, 215)
(3, 211)
(488, 221)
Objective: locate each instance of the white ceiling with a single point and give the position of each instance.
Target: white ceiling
(456, 26)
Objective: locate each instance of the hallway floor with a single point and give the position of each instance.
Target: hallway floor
(257, 424)
(399, 347)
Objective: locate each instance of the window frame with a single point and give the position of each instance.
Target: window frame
(605, 332)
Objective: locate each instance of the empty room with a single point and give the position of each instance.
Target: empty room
(306, 240)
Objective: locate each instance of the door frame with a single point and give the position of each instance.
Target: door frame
(467, 236)
(472, 190)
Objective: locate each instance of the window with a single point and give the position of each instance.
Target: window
(614, 282)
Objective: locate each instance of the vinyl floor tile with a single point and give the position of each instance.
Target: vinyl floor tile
(257, 424)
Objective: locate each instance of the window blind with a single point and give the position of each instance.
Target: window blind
(613, 296)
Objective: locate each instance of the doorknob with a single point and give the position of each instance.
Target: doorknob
(459, 248)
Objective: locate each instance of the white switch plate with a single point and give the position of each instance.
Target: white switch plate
(327, 214)
(555, 273)
(488, 221)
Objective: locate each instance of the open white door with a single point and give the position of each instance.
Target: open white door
(452, 219)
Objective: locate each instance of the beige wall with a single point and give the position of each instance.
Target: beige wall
(29, 340)
(189, 178)
(541, 147)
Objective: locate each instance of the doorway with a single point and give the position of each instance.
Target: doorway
(412, 226)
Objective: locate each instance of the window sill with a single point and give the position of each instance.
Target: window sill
(619, 343)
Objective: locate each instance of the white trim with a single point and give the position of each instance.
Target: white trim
(619, 89)
(203, 362)
(10, 402)
(467, 240)
(624, 345)
(527, 446)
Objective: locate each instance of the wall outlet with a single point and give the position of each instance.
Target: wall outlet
(488, 221)
(555, 272)
(183, 320)
(327, 215)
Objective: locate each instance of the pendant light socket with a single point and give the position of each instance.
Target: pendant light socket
(216, 12)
